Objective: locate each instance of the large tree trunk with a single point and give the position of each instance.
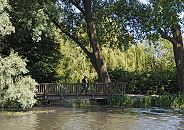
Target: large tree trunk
(178, 55)
(179, 59)
(177, 42)
(96, 56)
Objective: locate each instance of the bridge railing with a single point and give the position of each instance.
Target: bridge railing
(77, 89)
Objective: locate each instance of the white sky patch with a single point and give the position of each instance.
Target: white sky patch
(144, 1)
(182, 18)
(182, 15)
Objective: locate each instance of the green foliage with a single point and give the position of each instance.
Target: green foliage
(157, 18)
(111, 29)
(74, 65)
(5, 23)
(131, 59)
(34, 39)
(43, 59)
(30, 15)
(122, 100)
(146, 20)
(16, 89)
(163, 101)
(178, 101)
(146, 82)
(43, 56)
(146, 69)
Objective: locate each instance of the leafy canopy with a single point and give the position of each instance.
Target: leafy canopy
(148, 20)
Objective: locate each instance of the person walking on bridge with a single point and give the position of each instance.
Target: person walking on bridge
(84, 85)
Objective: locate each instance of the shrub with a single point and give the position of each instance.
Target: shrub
(16, 89)
(146, 82)
(119, 100)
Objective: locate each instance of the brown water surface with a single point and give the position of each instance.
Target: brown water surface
(90, 119)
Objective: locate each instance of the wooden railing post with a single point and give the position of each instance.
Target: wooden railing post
(46, 92)
(92, 90)
(77, 91)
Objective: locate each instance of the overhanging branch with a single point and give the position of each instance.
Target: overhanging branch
(72, 37)
(60, 26)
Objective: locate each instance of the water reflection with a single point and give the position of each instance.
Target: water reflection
(85, 119)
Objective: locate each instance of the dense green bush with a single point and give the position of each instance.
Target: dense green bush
(43, 56)
(146, 82)
(16, 89)
(120, 100)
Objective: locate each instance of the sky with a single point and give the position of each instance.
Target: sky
(144, 1)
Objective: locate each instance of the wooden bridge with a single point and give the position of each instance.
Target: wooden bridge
(79, 90)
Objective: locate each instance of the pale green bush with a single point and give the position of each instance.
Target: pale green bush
(15, 87)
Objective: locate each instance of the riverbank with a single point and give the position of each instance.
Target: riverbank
(166, 101)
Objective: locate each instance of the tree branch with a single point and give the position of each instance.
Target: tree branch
(165, 36)
(60, 26)
(57, 24)
(77, 6)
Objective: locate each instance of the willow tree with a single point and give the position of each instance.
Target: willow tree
(154, 19)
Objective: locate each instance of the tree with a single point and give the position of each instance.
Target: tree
(159, 17)
(73, 18)
(42, 52)
(94, 55)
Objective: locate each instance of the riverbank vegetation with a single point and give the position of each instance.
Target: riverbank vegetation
(107, 41)
(167, 101)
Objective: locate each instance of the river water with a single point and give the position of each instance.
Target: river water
(97, 118)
